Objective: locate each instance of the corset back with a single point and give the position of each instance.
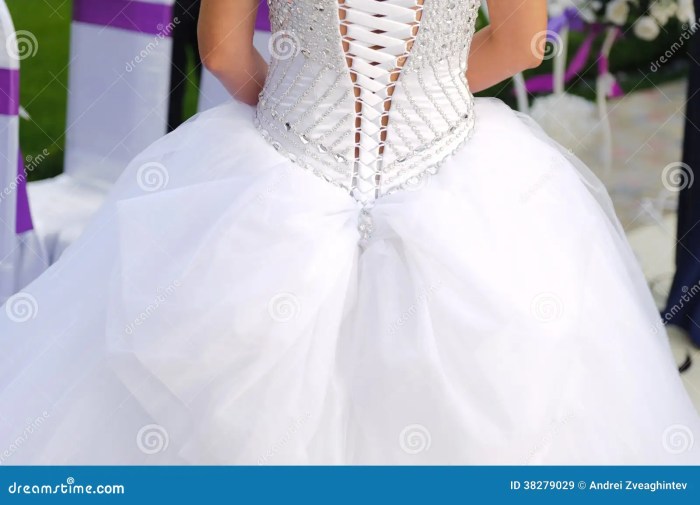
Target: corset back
(371, 95)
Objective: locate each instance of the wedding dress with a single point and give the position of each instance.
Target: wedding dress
(371, 267)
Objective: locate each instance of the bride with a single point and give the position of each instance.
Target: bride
(355, 263)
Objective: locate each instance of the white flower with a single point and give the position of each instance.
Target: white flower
(662, 11)
(556, 7)
(617, 12)
(587, 14)
(646, 28)
(686, 11)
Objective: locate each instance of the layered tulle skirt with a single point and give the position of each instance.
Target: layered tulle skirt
(220, 309)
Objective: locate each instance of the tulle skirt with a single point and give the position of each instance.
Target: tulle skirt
(219, 309)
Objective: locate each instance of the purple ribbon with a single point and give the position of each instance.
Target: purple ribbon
(9, 106)
(131, 15)
(545, 83)
(262, 23)
(604, 68)
(570, 17)
(24, 215)
(615, 89)
(9, 92)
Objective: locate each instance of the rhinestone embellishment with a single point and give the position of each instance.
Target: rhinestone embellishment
(415, 106)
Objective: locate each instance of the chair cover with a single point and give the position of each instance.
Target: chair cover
(21, 256)
(119, 84)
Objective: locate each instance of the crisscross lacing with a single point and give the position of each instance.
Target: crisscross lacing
(377, 39)
(370, 95)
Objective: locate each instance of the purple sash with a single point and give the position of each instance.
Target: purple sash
(24, 215)
(9, 97)
(9, 106)
(262, 23)
(131, 15)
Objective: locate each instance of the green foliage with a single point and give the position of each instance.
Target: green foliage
(44, 80)
(630, 62)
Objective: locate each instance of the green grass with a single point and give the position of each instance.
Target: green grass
(44, 77)
(44, 81)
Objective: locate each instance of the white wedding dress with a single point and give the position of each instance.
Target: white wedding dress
(372, 267)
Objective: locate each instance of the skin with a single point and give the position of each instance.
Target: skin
(511, 43)
(225, 33)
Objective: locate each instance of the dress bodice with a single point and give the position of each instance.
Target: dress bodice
(371, 95)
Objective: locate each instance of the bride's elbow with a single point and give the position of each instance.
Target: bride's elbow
(213, 61)
(533, 59)
(210, 50)
(529, 56)
(521, 53)
(524, 61)
(533, 52)
(216, 56)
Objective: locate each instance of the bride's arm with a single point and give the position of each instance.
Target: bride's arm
(511, 43)
(225, 32)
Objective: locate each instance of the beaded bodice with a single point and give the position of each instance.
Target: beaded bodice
(371, 95)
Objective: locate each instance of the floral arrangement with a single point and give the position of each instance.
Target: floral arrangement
(609, 19)
(645, 18)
